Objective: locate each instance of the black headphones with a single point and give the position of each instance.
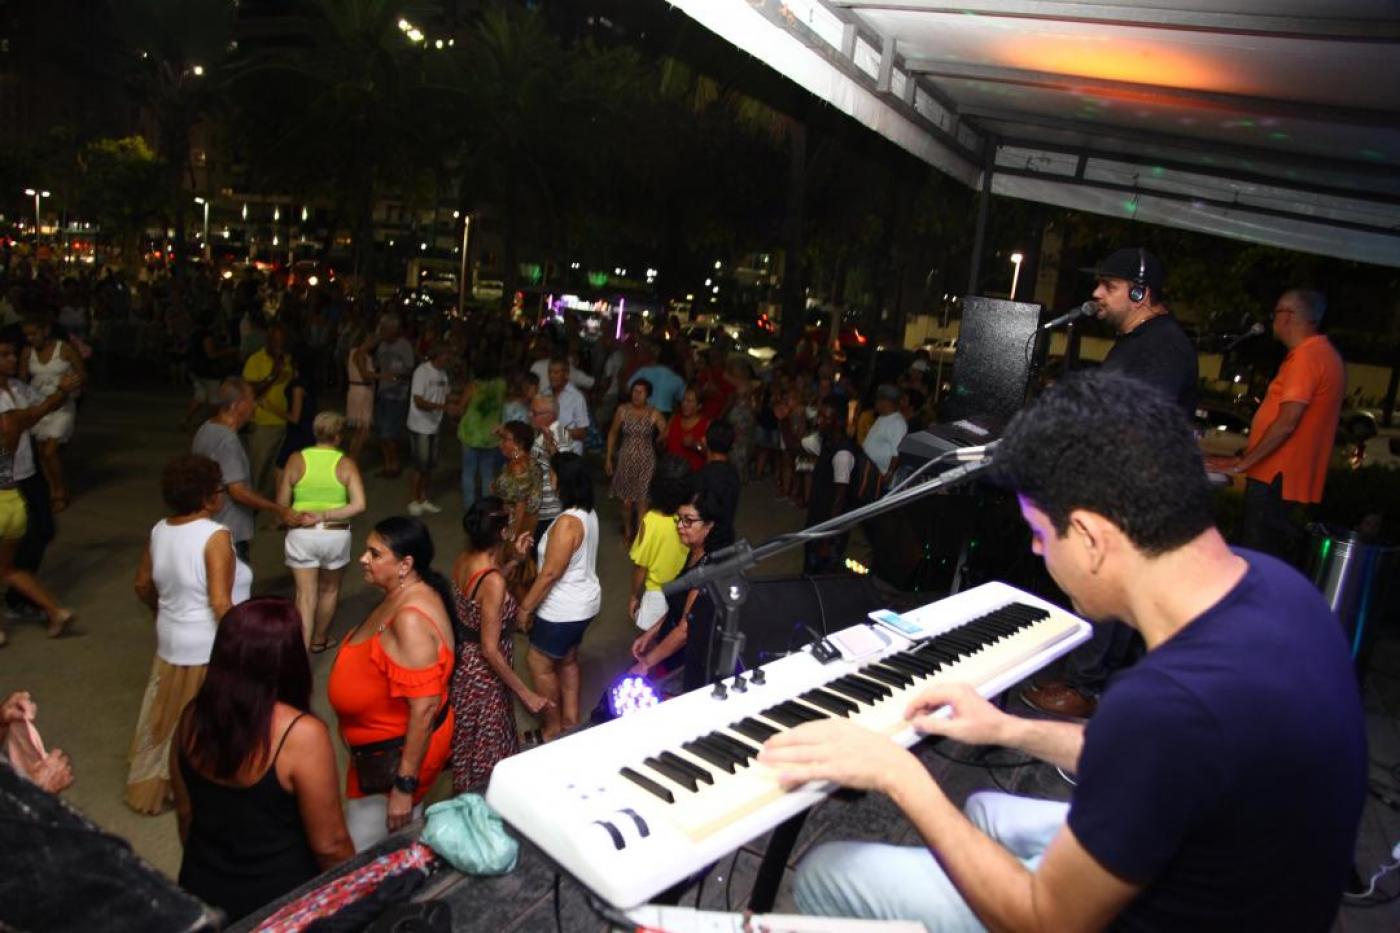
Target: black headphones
(1139, 290)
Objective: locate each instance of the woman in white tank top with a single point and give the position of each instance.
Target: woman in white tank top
(47, 361)
(189, 576)
(566, 595)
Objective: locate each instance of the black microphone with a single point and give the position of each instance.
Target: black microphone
(1254, 331)
(1087, 309)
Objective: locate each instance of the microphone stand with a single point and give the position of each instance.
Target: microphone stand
(723, 577)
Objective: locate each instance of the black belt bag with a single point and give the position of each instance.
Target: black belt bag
(377, 763)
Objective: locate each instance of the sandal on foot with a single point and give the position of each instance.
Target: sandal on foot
(64, 625)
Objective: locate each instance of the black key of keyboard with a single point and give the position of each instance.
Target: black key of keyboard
(783, 716)
(880, 689)
(806, 712)
(679, 775)
(859, 694)
(829, 703)
(715, 758)
(887, 675)
(648, 785)
(738, 747)
(695, 771)
(719, 748)
(909, 666)
(754, 729)
(938, 655)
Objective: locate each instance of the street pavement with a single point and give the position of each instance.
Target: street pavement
(89, 687)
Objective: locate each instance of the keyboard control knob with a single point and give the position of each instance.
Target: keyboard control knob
(757, 677)
(740, 685)
(720, 692)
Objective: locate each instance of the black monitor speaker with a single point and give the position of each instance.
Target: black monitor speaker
(1000, 347)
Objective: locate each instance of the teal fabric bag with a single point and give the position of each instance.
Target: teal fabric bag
(470, 836)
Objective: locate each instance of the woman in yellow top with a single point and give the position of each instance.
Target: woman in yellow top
(323, 484)
(657, 552)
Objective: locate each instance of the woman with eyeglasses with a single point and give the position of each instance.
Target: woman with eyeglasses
(484, 683)
(689, 615)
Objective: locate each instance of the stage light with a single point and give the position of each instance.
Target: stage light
(856, 567)
(630, 694)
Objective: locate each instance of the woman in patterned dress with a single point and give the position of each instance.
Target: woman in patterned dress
(742, 417)
(518, 483)
(637, 425)
(484, 683)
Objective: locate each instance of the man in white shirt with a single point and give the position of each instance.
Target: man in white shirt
(428, 400)
(573, 410)
(882, 441)
(577, 377)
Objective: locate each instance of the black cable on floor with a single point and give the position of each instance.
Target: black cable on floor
(558, 918)
(729, 882)
(985, 765)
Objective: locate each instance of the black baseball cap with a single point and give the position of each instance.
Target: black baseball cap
(1134, 264)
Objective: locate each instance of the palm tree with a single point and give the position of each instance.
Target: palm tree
(358, 110)
(174, 57)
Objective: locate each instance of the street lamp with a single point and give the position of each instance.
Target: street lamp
(205, 202)
(36, 194)
(465, 267)
(1016, 259)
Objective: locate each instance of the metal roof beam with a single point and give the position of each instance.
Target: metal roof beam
(1109, 14)
(1199, 199)
(1152, 93)
(1284, 160)
(1176, 165)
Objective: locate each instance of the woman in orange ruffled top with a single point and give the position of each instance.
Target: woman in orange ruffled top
(389, 684)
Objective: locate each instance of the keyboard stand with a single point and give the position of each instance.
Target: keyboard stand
(775, 862)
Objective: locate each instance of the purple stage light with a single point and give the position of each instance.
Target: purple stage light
(630, 694)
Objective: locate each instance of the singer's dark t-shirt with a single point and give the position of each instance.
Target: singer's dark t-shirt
(1158, 352)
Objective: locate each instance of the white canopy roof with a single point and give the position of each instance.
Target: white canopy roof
(1273, 121)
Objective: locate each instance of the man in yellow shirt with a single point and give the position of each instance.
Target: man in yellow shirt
(268, 371)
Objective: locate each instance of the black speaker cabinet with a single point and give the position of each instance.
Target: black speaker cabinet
(1000, 347)
(782, 613)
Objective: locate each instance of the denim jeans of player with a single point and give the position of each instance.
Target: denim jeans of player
(483, 460)
(875, 881)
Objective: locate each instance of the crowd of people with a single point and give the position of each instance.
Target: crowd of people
(426, 685)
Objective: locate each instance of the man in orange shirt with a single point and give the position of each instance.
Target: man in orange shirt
(1290, 439)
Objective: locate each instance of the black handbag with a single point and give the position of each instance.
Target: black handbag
(377, 763)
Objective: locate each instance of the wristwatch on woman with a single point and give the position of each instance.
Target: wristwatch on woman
(407, 783)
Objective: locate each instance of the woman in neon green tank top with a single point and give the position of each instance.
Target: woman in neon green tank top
(324, 486)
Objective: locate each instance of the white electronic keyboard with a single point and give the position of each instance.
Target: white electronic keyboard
(633, 806)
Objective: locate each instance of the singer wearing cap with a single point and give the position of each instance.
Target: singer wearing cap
(1151, 348)
(1151, 345)
(1290, 440)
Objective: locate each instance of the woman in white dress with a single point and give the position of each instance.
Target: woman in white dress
(189, 576)
(48, 361)
(359, 395)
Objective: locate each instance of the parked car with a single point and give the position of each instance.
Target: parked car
(1221, 430)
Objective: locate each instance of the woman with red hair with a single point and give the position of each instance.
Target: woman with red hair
(253, 770)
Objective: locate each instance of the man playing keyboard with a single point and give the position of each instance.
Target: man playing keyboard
(1220, 783)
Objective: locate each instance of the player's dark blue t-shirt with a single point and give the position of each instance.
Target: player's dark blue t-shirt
(1226, 770)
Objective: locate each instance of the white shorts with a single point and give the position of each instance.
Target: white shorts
(318, 548)
(652, 609)
(57, 425)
